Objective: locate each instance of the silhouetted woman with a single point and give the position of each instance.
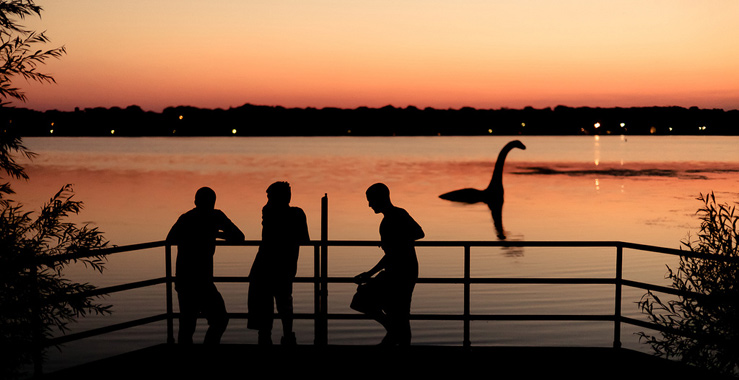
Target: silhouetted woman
(399, 265)
(284, 228)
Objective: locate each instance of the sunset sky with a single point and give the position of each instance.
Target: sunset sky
(346, 53)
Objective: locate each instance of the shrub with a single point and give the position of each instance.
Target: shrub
(37, 300)
(702, 322)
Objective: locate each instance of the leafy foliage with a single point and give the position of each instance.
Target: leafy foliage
(18, 55)
(11, 144)
(702, 325)
(37, 300)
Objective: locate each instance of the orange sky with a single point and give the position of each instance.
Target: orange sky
(346, 53)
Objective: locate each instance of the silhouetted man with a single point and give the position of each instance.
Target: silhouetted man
(398, 231)
(195, 234)
(284, 229)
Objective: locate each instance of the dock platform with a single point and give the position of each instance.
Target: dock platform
(364, 362)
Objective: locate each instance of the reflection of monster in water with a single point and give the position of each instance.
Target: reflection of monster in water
(493, 194)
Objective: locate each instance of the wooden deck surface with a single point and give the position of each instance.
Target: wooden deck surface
(345, 362)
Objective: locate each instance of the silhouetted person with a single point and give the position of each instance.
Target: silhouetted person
(284, 228)
(398, 231)
(195, 234)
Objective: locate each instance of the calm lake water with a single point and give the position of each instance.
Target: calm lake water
(639, 189)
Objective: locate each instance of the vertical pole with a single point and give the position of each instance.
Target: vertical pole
(36, 345)
(168, 281)
(467, 342)
(316, 291)
(322, 327)
(619, 285)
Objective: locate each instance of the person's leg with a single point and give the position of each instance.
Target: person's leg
(284, 303)
(261, 310)
(216, 314)
(404, 323)
(398, 314)
(188, 316)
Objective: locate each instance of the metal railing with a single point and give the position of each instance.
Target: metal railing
(321, 280)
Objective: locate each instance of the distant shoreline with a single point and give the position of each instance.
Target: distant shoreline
(255, 120)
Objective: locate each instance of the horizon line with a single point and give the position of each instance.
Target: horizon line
(410, 106)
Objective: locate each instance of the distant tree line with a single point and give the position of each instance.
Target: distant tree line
(256, 120)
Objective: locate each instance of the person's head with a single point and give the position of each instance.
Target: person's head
(279, 193)
(378, 197)
(205, 198)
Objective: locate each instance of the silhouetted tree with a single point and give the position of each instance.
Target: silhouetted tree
(36, 299)
(18, 55)
(702, 325)
(10, 145)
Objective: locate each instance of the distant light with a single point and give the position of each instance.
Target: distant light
(490, 130)
(112, 131)
(623, 125)
(51, 131)
(523, 124)
(52, 123)
(703, 128)
(597, 125)
(181, 117)
(233, 131)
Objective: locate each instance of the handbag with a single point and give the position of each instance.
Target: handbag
(369, 296)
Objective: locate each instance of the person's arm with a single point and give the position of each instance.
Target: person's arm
(229, 231)
(363, 277)
(415, 232)
(301, 225)
(174, 232)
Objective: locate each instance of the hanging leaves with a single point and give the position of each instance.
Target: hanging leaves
(701, 324)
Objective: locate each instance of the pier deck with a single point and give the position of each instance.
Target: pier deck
(330, 362)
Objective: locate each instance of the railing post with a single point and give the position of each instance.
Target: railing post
(36, 342)
(321, 327)
(168, 275)
(467, 342)
(316, 290)
(619, 285)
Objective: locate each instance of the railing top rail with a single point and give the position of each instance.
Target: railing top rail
(100, 252)
(429, 243)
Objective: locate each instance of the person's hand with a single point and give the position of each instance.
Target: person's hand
(362, 277)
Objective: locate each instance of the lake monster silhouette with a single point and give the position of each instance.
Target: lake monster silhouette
(493, 194)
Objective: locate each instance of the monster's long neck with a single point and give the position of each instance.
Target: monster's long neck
(496, 183)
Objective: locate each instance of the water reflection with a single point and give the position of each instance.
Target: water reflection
(133, 188)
